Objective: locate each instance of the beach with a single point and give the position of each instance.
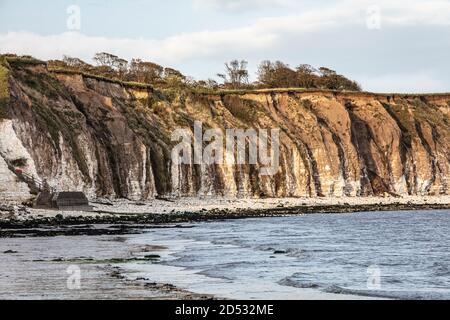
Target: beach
(160, 211)
(78, 238)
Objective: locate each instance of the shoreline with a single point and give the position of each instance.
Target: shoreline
(130, 216)
(123, 218)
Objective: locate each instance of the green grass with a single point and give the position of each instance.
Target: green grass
(65, 123)
(23, 61)
(205, 91)
(128, 84)
(308, 90)
(4, 92)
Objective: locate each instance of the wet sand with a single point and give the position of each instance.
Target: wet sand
(44, 276)
(42, 268)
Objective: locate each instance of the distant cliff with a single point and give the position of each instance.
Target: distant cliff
(111, 139)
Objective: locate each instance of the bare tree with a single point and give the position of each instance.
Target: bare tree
(143, 71)
(121, 67)
(236, 73)
(75, 63)
(104, 59)
(173, 73)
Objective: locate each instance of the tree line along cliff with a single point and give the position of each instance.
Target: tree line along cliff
(112, 139)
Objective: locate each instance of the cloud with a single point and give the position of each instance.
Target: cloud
(421, 82)
(240, 5)
(257, 38)
(261, 34)
(173, 49)
(406, 13)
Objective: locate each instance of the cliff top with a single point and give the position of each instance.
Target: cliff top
(11, 61)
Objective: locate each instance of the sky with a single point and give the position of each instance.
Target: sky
(385, 45)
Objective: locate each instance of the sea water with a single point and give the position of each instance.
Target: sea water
(404, 255)
(400, 255)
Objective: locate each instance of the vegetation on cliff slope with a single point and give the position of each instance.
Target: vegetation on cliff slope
(333, 143)
(4, 94)
(47, 94)
(236, 76)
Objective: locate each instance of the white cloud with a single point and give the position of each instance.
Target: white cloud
(404, 13)
(259, 36)
(239, 5)
(421, 82)
(262, 34)
(173, 49)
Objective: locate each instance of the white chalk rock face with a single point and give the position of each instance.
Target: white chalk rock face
(11, 151)
(11, 189)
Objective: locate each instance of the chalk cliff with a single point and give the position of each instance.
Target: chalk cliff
(111, 139)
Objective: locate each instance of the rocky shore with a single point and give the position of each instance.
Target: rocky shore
(118, 219)
(123, 216)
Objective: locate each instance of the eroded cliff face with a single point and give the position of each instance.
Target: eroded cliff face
(111, 140)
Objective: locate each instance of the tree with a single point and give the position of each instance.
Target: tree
(121, 67)
(307, 76)
(236, 73)
(148, 72)
(109, 65)
(173, 73)
(276, 75)
(104, 59)
(212, 84)
(74, 63)
(331, 80)
(209, 84)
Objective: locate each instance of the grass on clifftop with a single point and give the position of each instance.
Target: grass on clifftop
(4, 92)
(129, 84)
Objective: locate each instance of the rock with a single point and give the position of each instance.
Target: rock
(104, 202)
(324, 135)
(9, 251)
(58, 260)
(6, 208)
(152, 256)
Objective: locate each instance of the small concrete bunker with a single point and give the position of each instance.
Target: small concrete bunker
(71, 201)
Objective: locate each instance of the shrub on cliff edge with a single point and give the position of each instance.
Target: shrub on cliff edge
(4, 93)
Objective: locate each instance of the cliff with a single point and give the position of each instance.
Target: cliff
(111, 139)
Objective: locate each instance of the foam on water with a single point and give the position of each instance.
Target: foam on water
(320, 256)
(299, 257)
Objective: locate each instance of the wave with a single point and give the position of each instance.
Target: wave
(403, 295)
(441, 269)
(290, 252)
(289, 282)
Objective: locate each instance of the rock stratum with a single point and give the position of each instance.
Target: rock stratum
(112, 139)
